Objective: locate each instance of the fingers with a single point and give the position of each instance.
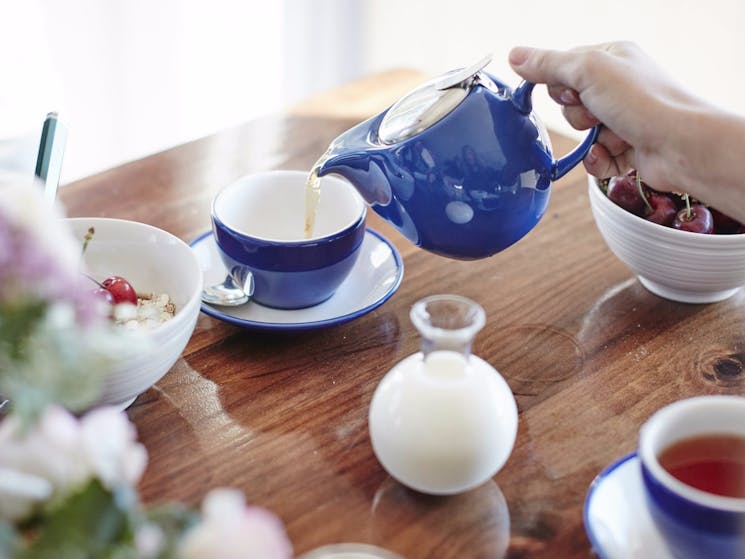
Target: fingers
(579, 117)
(572, 79)
(554, 68)
(601, 163)
(613, 144)
(564, 95)
(574, 111)
(610, 156)
(543, 66)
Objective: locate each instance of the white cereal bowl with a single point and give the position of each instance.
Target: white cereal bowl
(155, 261)
(677, 265)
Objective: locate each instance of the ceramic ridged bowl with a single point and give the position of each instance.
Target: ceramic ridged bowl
(677, 265)
(153, 261)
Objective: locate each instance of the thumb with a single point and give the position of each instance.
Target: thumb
(542, 66)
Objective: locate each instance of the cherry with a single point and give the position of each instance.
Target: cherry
(663, 209)
(680, 212)
(724, 224)
(120, 289)
(697, 220)
(624, 192)
(104, 294)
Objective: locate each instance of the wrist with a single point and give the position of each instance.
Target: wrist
(705, 156)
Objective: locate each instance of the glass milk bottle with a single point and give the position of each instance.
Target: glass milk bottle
(443, 421)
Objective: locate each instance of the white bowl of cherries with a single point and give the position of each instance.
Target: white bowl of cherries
(137, 263)
(678, 248)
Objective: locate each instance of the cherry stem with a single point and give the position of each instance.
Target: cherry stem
(94, 280)
(87, 239)
(688, 206)
(641, 192)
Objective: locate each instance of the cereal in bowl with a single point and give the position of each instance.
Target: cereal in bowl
(151, 311)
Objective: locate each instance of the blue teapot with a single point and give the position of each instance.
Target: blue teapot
(461, 165)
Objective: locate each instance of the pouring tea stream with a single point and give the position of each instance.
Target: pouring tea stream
(461, 165)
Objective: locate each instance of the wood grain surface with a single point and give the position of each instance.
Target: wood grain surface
(587, 351)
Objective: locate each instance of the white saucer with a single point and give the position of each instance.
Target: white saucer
(374, 278)
(616, 517)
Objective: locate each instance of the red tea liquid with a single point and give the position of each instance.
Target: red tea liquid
(711, 463)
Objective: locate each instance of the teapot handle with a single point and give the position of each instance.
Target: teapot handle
(521, 99)
(561, 167)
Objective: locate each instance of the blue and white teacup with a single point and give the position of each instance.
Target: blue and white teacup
(695, 523)
(259, 226)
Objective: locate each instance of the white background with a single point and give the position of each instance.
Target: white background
(131, 77)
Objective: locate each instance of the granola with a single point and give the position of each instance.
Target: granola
(151, 311)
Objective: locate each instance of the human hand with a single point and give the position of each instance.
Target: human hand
(620, 87)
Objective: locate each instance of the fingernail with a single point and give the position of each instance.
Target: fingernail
(592, 157)
(519, 55)
(569, 97)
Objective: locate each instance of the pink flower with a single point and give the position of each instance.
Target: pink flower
(39, 256)
(231, 530)
(110, 447)
(59, 454)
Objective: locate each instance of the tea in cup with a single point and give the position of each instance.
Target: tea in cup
(693, 470)
(258, 223)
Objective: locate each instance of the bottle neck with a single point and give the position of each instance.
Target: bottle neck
(447, 323)
(458, 344)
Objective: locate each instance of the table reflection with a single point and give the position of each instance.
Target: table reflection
(475, 524)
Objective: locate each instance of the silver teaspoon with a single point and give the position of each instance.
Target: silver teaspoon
(229, 293)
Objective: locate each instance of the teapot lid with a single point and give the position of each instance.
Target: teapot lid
(430, 102)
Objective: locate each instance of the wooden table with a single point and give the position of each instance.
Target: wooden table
(587, 351)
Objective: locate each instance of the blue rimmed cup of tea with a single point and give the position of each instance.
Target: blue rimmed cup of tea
(259, 225)
(693, 470)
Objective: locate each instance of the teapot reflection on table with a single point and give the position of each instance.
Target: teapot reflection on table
(461, 165)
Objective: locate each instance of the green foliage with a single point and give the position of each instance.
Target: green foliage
(88, 525)
(46, 357)
(174, 520)
(17, 321)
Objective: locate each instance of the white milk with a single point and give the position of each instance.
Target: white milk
(443, 425)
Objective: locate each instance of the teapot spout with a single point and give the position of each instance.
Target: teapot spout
(353, 156)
